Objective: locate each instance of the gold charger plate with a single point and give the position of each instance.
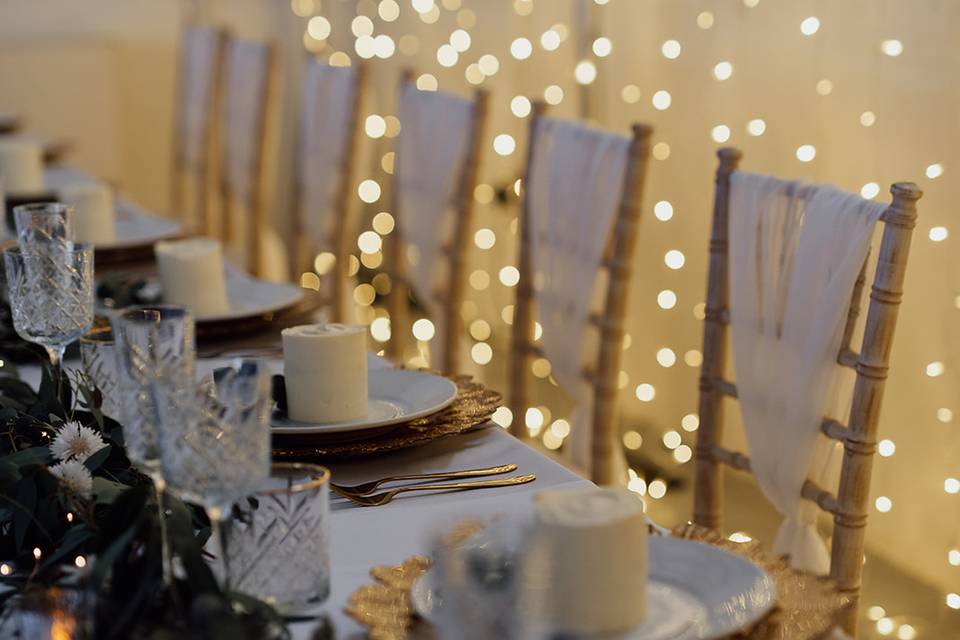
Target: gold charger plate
(808, 606)
(473, 406)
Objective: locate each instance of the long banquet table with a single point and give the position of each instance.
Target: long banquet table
(363, 537)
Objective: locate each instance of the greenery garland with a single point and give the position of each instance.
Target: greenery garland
(76, 515)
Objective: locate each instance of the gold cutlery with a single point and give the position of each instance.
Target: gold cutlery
(368, 487)
(379, 499)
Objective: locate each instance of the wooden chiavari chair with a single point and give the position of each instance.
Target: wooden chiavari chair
(454, 249)
(200, 80)
(618, 262)
(859, 437)
(333, 212)
(249, 87)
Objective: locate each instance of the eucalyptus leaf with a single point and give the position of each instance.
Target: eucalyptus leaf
(107, 491)
(104, 562)
(26, 504)
(29, 457)
(9, 476)
(97, 458)
(72, 540)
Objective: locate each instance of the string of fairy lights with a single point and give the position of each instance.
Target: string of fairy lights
(373, 32)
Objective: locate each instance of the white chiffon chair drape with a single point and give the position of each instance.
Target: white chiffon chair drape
(200, 69)
(328, 95)
(432, 151)
(324, 142)
(250, 239)
(795, 253)
(574, 188)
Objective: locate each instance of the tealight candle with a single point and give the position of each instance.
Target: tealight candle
(192, 275)
(590, 546)
(325, 372)
(92, 202)
(21, 167)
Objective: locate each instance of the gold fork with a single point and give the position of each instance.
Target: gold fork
(368, 487)
(380, 499)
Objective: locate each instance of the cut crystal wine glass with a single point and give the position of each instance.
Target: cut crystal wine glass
(97, 354)
(150, 342)
(43, 224)
(214, 437)
(51, 295)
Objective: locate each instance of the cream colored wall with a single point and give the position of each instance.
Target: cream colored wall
(99, 74)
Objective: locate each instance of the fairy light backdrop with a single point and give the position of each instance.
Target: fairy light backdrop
(852, 93)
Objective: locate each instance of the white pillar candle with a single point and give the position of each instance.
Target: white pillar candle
(93, 217)
(21, 167)
(325, 372)
(192, 275)
(591, 545)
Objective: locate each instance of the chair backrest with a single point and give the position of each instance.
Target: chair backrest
(327, 146)
(617, 261)
(859, 437)
(249, 84)
(447, 296)
(199, 87)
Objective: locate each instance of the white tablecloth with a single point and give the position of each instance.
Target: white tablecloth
(366, 536)
(362, 537)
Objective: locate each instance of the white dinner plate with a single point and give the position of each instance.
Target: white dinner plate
(394, 396)
(134, 226)
(249, 296)
(694, 592)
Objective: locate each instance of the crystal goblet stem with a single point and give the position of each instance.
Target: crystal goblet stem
(55, 353)
(216, 516)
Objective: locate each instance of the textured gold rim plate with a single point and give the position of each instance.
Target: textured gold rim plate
(808, 606)
(473, 406)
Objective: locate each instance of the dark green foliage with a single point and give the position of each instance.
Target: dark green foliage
(117, 529)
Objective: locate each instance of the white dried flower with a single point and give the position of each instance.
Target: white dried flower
(75, 441)
(74, 477)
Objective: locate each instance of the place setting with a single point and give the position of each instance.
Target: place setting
(590, 564)
(193, 272)
(121, 232)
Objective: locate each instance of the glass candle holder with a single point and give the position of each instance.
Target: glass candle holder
(276, 545)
